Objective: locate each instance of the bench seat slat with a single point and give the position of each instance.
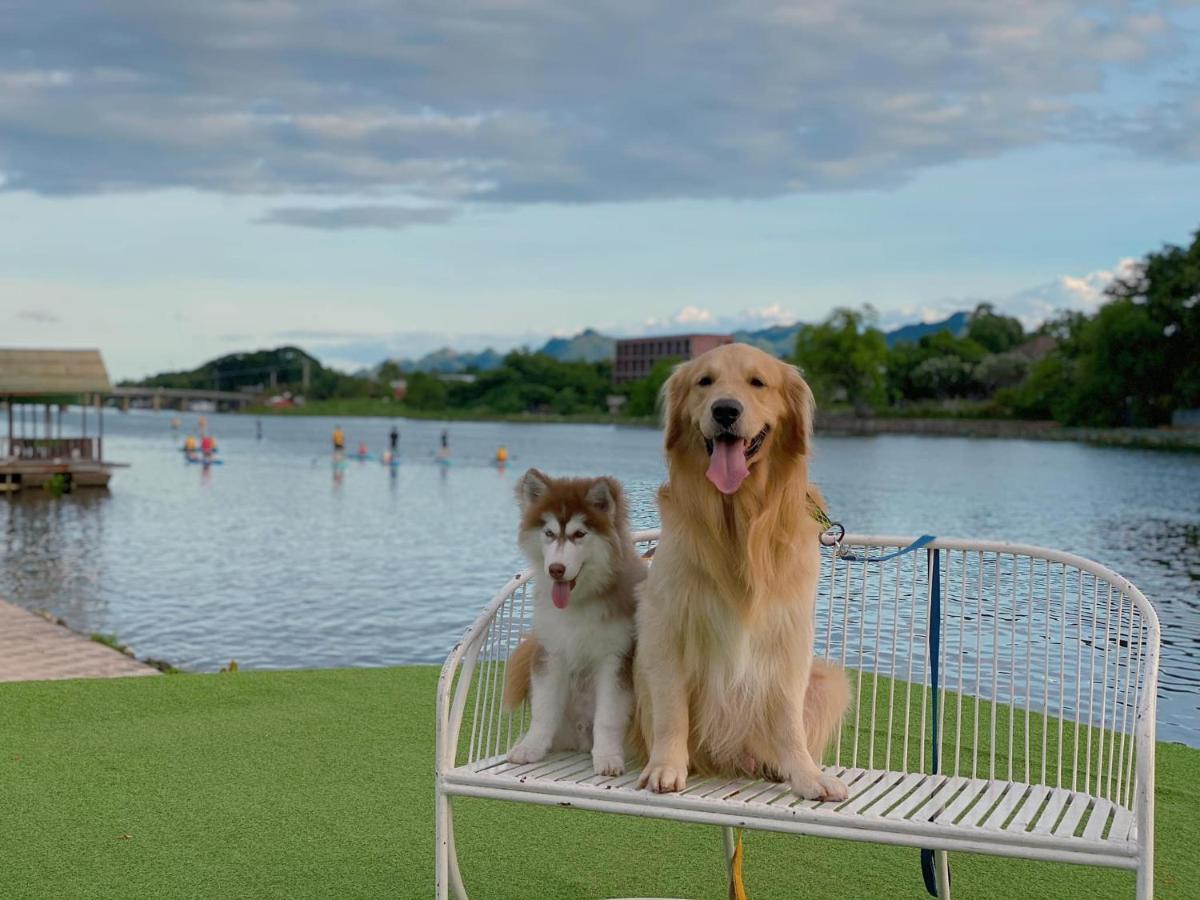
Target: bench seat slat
(1058, 802)
(884, 785)
(1029, 809)
(974, 790)
(1101, 810)
(1075, 810)
(925, 790)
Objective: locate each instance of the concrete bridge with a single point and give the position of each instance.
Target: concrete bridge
(182, 398)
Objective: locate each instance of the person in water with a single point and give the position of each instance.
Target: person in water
(394, 439)
(208, 446)
(501, 454)
(339, 438)
(362, 448)
(189, 444)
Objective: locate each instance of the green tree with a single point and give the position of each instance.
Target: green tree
(536, 383)
(1001, 370)
(994, 332)
(1121, 375)
(425, 392)
(1166, 284)
(1137, 359)
(644, 393)
(844, 358)
(942, 377)
(913, 374)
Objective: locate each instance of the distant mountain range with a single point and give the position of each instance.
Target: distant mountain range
(592, 346)
(287, 365)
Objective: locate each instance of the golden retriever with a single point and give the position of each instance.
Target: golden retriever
(724, 671)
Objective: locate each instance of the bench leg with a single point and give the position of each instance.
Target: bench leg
(1145, 879)
(941, 871)
(447, 877)
(441, 850)
(730, 845)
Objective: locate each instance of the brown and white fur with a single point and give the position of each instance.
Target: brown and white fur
(575, 666)
(725, 676)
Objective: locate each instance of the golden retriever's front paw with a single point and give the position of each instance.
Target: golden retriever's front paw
(608, 764)
(528, 751)
(663, 779)
(821, 787)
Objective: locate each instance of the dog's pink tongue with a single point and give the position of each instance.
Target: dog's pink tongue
(727, 467)
(560, 593)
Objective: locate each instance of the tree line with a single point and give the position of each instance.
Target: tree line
(1131, 363)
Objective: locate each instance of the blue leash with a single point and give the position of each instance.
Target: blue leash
(934, 561)
(914, 546)
(928, 860)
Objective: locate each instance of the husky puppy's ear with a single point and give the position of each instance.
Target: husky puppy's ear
(603, 495)
(532, 487)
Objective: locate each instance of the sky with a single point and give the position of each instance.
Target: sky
(372, 179)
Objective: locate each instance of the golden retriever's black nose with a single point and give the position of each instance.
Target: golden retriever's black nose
(725, 412)
(557, 570)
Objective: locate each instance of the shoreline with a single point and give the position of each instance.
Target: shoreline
(1174, 439)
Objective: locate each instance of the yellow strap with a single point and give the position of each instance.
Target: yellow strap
(737, 890)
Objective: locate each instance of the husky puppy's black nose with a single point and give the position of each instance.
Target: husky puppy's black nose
(725, 412)
(557, 570)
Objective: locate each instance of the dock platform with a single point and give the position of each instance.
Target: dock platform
(34, 649)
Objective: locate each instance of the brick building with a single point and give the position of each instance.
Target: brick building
(637, 356)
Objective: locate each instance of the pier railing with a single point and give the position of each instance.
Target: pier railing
(83, 448)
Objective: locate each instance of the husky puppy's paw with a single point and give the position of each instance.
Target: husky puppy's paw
(528, 751)
(608, 764)
(820, 787)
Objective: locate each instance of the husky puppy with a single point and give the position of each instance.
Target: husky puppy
(575, 665)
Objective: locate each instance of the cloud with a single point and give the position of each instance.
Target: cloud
(41, 316)
(527, 101)
(338, 217)
(694, 318)
(1168, 130)
(1032, 305)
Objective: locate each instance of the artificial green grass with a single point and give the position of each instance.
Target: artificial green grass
(321, 784)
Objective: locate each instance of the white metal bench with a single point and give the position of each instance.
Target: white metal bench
(1048, 670)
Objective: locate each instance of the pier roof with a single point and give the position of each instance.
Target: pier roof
(33, 373)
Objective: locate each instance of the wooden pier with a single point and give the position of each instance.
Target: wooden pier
(36, 388)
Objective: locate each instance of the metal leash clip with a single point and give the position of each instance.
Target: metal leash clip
(833, 537)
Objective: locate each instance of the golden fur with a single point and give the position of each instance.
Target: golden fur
(724, 671)
(519, 672)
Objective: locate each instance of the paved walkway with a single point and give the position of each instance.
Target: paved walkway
(32, 649)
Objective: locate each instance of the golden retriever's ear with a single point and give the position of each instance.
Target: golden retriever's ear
(674, 393)
(797, 428)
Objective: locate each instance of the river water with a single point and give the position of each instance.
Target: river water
(280, 558)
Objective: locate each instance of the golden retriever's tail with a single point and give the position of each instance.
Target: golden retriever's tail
(520, 672)
(825, 705)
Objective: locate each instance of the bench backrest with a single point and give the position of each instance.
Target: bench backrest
(1047, 667)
